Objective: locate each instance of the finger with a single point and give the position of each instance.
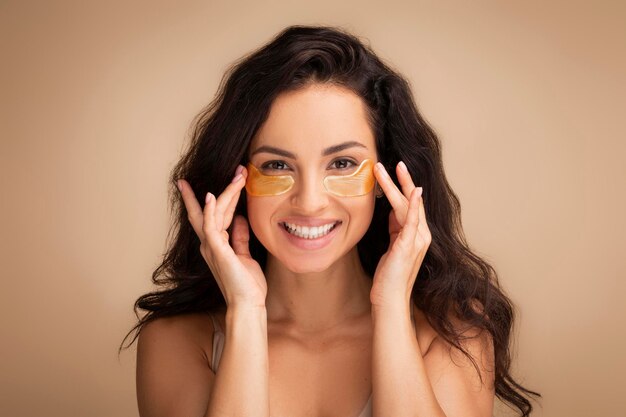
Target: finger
(225, 199)
(232, 205)
(194, 211)
(215, 246)
(423, 228)
(394, 195)
(240, 236)
(409, 230)
(404, 177)
(209, 227)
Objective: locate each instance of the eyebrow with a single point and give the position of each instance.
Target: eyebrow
(328, 151)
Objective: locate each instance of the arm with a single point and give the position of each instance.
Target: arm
(241, 386)
(400, 382)
(443, 383)
(173, 377)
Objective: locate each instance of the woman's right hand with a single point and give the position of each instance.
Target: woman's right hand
(238, 275)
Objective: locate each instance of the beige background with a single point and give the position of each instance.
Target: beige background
(528, 100)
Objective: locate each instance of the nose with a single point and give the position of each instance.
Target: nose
(309, 195)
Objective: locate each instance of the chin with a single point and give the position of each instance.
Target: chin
(307, 266)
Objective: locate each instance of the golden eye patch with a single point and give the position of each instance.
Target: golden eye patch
(360, 182)
(259, 185)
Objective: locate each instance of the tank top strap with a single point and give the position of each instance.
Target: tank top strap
(216, 324)
(367, 410)
(218, 343)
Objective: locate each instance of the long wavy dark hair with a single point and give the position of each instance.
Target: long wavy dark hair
(452, 279)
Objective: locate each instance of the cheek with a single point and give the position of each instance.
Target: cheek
(260, 210)
(361, 213)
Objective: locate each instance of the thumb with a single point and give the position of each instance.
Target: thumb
(240, 236)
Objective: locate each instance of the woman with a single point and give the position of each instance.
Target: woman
(318, 266)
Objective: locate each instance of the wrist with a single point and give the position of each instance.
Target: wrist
(398, 307)
(245, 308)
(390, 300)
(246, 317)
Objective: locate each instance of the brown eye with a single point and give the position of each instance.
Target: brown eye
(342, 164)
(274, 166)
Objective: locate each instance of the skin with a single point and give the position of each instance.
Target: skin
(314, 290)
(327, 334)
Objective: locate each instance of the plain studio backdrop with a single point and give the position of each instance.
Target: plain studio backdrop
(528, 99)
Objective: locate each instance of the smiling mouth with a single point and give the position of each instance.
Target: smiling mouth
(309, 232)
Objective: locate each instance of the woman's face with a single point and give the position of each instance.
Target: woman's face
(310, 134)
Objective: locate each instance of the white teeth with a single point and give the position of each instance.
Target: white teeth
(307, 232)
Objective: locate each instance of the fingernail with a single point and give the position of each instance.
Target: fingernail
(237, 177)
(380, 167)
(208, 198)
(239, 169)
(180, 187)
(403, 166)
(419, 192)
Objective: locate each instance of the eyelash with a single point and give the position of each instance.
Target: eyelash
(348, 162)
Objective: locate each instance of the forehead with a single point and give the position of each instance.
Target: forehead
(316, 117)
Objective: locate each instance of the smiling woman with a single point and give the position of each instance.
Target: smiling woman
(318, 266)
(309, 129)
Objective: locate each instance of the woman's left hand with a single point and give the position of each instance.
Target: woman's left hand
(409, 239)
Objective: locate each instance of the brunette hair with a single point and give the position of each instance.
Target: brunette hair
(453, 283)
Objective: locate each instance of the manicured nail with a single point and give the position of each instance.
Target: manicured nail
(239, 169)
(403, 166)
(237, 177)
(209, 196)
(179, 186)
(419, 192)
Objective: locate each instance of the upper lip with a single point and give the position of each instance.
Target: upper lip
(308, 221)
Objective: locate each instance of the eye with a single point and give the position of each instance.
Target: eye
(274, 166)
(342, 164)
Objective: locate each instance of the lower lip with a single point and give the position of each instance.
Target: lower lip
(310, 244)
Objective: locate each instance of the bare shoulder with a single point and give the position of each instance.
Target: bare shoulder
(463, 385)
(192, 329)
(477, 342)
(173, 373)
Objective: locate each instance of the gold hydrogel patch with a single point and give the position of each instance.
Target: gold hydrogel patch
(258, 184)
(360, 182)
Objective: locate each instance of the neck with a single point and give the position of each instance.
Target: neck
(317, 301)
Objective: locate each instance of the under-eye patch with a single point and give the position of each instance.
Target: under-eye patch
(258, 184)
(360, 182)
